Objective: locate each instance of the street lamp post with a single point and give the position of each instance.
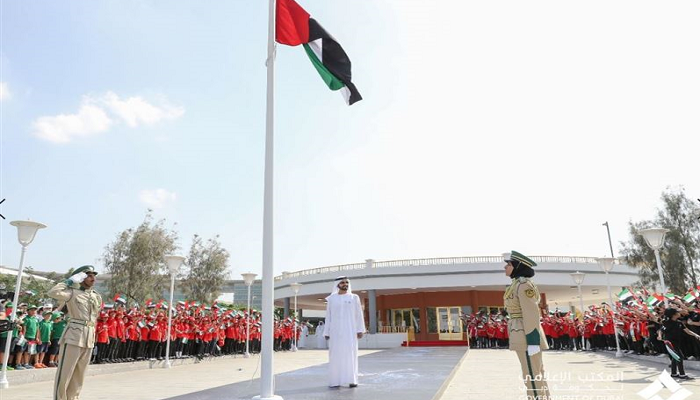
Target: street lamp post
(655, 239)
(26, 231)
(295, 287)
(248, 278)
(174, 263)
(607, 226)
(578, 280)
(606, 264)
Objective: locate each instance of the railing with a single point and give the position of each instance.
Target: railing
(420, 262)
(322, 270)
(393, 329)
(439, 261)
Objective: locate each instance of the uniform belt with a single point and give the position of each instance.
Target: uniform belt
(516, 315)
(81, 322)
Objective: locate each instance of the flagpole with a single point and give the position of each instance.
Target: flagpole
(267, 368)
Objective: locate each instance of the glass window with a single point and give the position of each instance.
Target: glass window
(443, 320)
(466, 310)
(397, 318)
(432, 320)
(404, 318)
(456, 325)
(415, 315)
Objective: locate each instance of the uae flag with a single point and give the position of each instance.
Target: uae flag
(689, 298)
(652, 301)
(119, 298)
(625, 295)
(295, 26)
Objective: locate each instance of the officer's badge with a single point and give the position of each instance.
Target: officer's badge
(530, 293)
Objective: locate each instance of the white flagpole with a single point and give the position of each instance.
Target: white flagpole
(268, 308)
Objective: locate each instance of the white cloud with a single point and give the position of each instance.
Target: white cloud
(157, 198)
(4, 92)
(63, 128)
(136, 111)
(97, 114)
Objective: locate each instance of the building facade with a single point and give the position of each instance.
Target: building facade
(429, 295)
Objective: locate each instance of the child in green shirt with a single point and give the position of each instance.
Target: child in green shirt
(45, 328)
(59, 325)
(31, 328)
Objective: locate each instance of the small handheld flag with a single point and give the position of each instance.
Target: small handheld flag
(671, 351)
(119, 298)
(689, 298)
(625, 295)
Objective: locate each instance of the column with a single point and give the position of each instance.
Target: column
(372, 296)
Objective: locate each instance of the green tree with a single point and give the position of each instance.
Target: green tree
(207, 265)
(32, 290)
(35, 291)
(679, 215)
(680, 251)
(136, 262)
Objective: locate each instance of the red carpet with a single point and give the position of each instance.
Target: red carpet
(435, 343)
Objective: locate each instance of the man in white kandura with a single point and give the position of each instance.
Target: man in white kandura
(303, 335)
(345, 323)
(320, 340)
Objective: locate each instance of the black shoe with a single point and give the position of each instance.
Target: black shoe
(353, 385)
(334, 387)
(674, 375)
(686, 377)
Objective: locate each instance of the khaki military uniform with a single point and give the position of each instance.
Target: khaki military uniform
(521, 300)
(77, 340)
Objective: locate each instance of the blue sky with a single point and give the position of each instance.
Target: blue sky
(485, 127)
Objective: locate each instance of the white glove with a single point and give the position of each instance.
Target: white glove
(79, 277)
(532, 350)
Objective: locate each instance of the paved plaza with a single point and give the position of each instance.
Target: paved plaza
(493, 375)
(407, 374)
(447, 373)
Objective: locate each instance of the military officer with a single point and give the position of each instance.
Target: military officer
(527, 339)
(78, 339)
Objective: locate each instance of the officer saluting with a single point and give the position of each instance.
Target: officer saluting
(78, 339)
(527, 339)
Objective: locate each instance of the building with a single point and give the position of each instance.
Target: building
(5, 270)
(430, 294)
